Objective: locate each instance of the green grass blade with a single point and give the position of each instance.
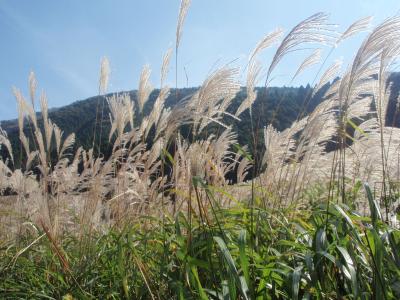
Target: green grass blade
(231, 267)
(349, 264)
(225, 290)
(344, 215)
(373, 205)
(395, 246)
(244, 261)
(296, 277)
(200, 289)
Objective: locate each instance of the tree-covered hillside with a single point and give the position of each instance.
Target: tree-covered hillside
(279, 106)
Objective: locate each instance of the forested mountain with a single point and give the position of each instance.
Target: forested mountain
(277, 105)
(392, 116)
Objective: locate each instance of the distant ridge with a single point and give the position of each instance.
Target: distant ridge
(280, 106)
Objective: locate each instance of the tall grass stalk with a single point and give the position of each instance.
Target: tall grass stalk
(159, 218)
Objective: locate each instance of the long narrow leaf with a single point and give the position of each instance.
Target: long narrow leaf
(231, 267)
(244, 261)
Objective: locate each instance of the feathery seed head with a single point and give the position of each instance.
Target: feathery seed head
(181, 19)
(104, 75)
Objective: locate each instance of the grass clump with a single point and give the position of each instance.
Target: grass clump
(318, 253)
(159, 218)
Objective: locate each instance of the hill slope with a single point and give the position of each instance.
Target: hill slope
(277, 105)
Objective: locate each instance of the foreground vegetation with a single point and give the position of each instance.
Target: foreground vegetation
(320, 253)
(179, 208)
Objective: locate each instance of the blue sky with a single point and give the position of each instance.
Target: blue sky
(64, 41)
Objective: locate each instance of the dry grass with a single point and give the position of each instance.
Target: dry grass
(83, 191)
(159, 219)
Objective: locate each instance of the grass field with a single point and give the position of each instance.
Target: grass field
(161, 218)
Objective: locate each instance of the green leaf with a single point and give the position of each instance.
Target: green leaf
(377, 250)
(373, 206)
(320, 240)
(231, 267)
(225, 290)
(241, 151)
(200, 289)
(168, 155)
(345, 216)
(355, 127)
(395, 247)
(244, 261)
(349, 264)
(296, 277)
